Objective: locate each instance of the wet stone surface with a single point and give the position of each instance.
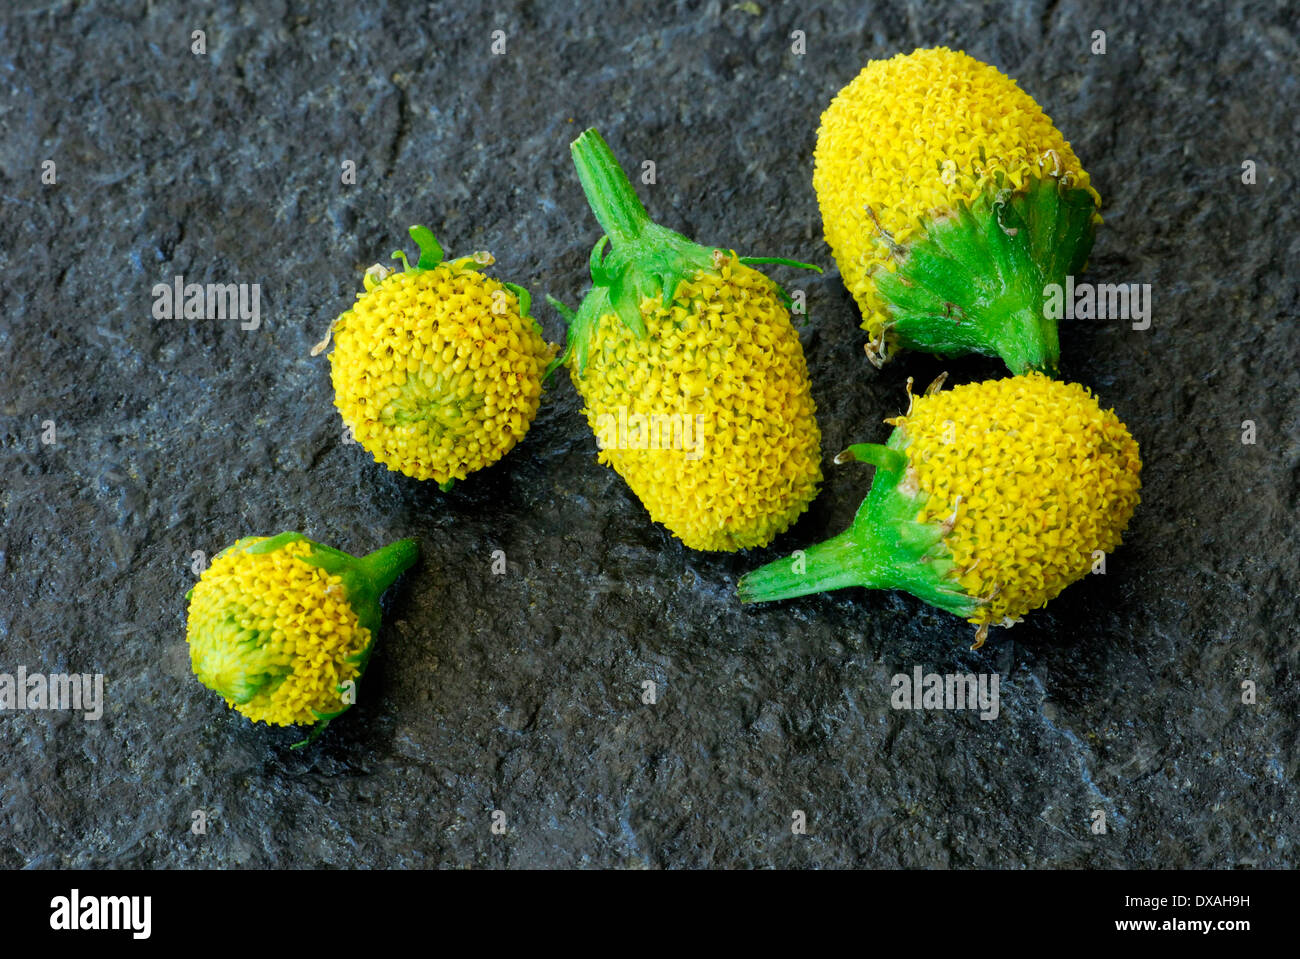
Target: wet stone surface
(522, 692)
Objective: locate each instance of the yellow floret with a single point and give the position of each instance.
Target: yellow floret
(1038, 477)
(274, 634)
(728, 455)
(436, 373)
(908, 141)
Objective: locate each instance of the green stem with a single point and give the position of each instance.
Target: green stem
(841, 561)
(609, 192)
(383, 566)
(885, 548)
(1027, 340)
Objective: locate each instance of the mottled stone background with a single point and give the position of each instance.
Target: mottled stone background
(522, 692)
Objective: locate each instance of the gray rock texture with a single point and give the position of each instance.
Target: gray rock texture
(522, 692)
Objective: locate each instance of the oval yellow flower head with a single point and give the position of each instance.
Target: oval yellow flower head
(283, 627)
(437, 368)
(691, 373)
(988, 500)
(951, 203)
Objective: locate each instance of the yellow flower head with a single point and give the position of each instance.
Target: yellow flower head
(1034, 478)
(988, 500)
(692, 375)
(709, 417)
(910, 142)
(279, 625)
(437, 369)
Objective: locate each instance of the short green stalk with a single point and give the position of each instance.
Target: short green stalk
(884, 548)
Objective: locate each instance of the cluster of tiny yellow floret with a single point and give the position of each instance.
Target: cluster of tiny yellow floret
(436, 373)
(724, 355)
(909, 140)
(1037, 476)
(274, 635)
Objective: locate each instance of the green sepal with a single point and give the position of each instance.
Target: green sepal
(884, 548)
(326, 717)
(268, 545)
(570, 339)
(525, 303)
(875, 454)
(786, 300)
(317, 731)
(783, 261)
(430, 249)
(431, 255)
(523, 296)
(975, 281)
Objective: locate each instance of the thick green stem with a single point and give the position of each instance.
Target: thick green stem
(383, 566)
(1027, 340)
(841, 561)
(609, 192)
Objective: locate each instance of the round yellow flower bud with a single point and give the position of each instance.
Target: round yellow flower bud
(437, 369)
(282, 627)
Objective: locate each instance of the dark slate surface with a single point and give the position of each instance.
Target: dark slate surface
(522, 692)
